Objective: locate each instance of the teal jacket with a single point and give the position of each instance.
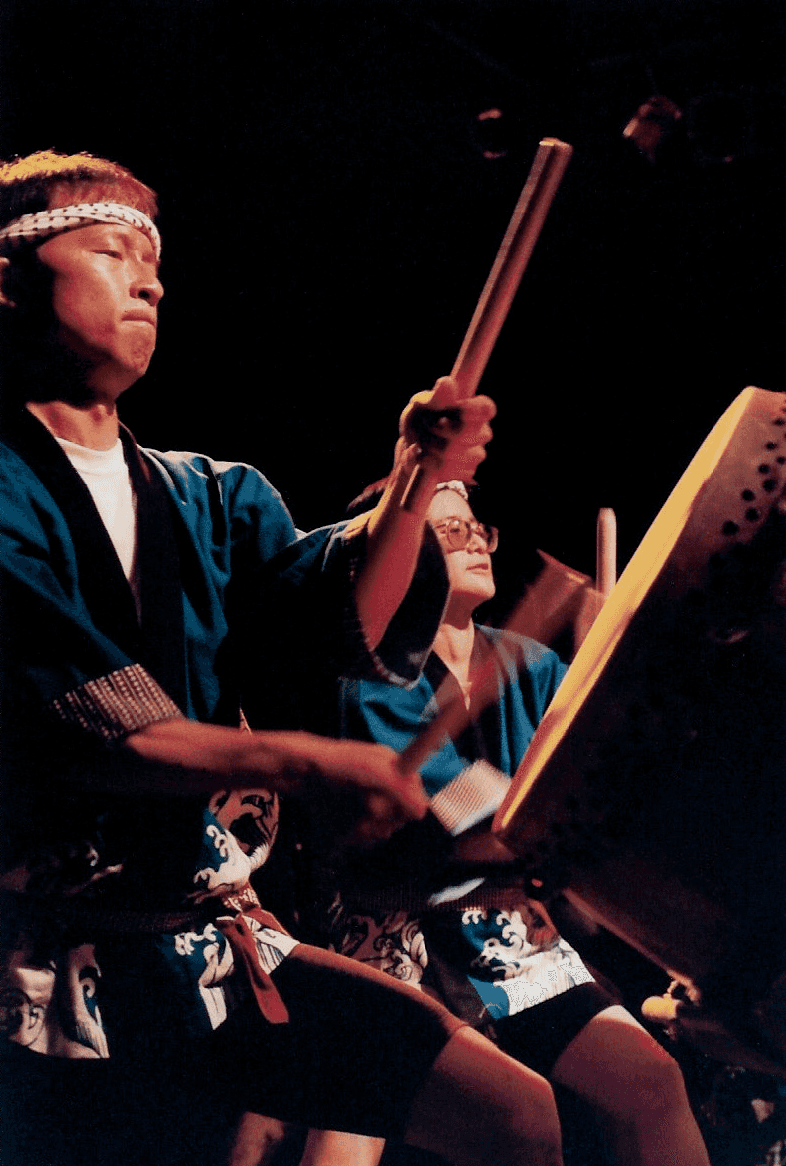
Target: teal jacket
(236, 606)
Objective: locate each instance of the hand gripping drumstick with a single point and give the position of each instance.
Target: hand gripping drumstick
(534, 202)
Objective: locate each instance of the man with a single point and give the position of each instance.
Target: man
(149, 998)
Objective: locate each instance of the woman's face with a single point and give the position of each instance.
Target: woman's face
(469, 571)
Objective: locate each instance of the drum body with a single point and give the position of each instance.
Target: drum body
(654, 791)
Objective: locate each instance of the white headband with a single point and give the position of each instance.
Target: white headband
(456, 486)
(43, 224)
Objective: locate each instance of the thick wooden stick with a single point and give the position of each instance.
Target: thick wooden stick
(501, 286)
(451, 720)
(512, 258)
(593, 598)
(528, 217)
(606, 552)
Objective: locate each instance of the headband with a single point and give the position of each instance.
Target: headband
(456, 486)
(43, 224)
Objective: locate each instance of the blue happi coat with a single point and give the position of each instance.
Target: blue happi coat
(481, 944)
(228, 591)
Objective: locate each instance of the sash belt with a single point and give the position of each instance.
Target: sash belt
(237, 914)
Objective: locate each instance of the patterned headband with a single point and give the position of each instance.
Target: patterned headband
(456, 486)
(43, 224)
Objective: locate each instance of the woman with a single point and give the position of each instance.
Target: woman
(480, 944)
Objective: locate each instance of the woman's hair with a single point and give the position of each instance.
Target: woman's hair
(368, 498)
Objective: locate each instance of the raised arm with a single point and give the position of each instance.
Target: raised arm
(447, 438)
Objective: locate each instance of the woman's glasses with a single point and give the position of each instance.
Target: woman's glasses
(457, 533)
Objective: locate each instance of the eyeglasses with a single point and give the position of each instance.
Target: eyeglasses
(457, 533)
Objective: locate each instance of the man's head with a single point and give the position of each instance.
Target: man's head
(78, 260)
(45, 180)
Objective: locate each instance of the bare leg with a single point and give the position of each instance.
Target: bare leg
(636, 1091)
(331, 1148)
(478, 1105)
(256, 1139)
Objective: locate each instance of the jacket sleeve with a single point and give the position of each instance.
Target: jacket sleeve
(305, 633)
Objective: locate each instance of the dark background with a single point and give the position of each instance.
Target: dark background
(331, 206)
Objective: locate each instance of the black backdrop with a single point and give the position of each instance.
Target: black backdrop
(331, 206)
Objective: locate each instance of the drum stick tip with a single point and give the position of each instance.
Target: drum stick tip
(660, 1009)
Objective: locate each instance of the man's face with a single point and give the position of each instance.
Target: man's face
(105, 295)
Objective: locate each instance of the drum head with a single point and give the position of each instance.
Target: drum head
(653, 790)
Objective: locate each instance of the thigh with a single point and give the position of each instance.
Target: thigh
(538, 1036)
(614, 1064)
(354, 1052)
(635, 1090)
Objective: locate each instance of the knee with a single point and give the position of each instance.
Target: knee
(256, 1138)
(618, 1068)
(479, 1105)
(533, 1129)
(663, 1080)
(655, 1091)
(520, 1120)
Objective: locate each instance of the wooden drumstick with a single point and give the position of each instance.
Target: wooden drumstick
(450, 721)
(593, 598)
(606, 552)
(528, 217)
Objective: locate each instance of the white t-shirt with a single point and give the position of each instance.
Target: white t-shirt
(105, 473)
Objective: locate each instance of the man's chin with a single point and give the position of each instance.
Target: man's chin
(111, 381)
(137, 363)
